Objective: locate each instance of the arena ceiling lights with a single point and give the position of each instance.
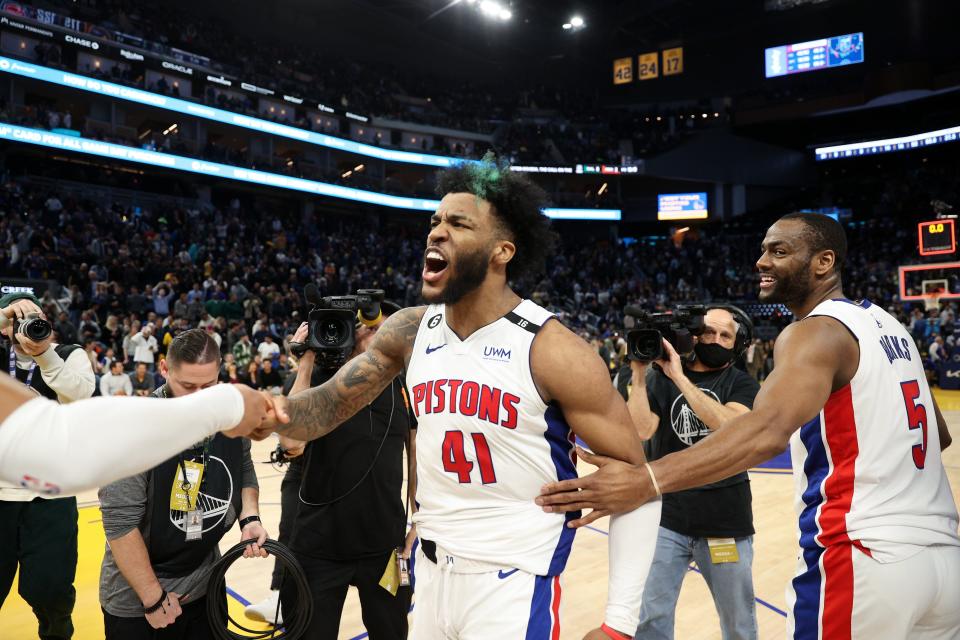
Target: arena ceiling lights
(75, 144)
(492, 9)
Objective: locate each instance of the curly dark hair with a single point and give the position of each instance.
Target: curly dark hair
(517, 204)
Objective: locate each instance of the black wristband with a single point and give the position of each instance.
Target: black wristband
(248, 520)
(156, 607)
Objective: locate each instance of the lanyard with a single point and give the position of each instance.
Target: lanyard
(13, 367)
(185, 485)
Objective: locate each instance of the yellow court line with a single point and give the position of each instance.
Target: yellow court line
(19, 621)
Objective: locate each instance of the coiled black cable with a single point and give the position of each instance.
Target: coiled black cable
(295, 622)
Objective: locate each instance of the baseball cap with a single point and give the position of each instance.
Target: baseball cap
(10, 298)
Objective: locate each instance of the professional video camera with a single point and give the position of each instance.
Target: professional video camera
(33, 327)
(332, 320)
(678, 326)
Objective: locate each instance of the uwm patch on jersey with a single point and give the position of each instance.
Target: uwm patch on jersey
(487, 442)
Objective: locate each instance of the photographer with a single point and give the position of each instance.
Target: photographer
(351, 512)
(37, 534)
(674, 405)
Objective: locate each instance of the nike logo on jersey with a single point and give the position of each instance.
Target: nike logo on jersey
(432, 349)
(504, 575)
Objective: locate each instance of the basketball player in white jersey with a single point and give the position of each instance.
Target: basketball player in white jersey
(879, 552)
(499, 390)
(60, 450)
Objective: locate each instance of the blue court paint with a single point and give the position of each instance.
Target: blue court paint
(781, 461)
(239, 598)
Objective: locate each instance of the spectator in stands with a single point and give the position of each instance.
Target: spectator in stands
(116, 383)
(145, 347)
(268, 349)
(269, 377)
(243, 351)
(141, 381)
(937, 351)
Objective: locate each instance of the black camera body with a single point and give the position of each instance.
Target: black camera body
(332, 324)
(32, 327)
(678, 326)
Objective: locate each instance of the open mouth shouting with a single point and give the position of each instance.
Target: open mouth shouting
(434, 265)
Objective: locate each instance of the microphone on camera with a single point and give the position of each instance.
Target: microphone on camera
(369, 312)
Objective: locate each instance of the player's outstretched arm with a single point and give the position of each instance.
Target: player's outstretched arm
(105, 439)
(318, 411)
(814, 357)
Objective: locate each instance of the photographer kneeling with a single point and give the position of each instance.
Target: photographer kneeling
(350, 516)
(675, 404)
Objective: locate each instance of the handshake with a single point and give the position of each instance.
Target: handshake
(262, 414)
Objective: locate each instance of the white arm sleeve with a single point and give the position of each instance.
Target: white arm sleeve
(633, 539)
(63, 449)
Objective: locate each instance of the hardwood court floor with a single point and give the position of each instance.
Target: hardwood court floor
(585, 581)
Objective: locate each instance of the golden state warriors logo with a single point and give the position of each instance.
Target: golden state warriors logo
(686, 424)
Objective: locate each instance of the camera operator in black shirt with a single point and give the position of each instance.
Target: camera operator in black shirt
(348, 512)
(675, 404)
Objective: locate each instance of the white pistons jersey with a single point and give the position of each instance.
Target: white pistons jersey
(487, 443)
(868, 468)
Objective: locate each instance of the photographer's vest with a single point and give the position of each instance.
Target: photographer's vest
(170, 554)
(33, 373)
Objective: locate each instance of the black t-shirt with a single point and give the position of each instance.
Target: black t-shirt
(370, 520)
(718, 510)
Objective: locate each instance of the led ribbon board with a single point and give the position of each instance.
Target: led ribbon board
(53, 140)
(888, 145)
(122, 92)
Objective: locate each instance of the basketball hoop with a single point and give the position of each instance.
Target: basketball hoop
(932, 290)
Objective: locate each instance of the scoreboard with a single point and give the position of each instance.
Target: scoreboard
(814, 55)
(937, 237)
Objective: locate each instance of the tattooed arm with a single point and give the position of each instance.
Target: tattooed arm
(318, 411)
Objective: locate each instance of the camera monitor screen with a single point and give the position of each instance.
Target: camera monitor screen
(682, 206)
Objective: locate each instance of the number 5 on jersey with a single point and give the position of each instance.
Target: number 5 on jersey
(455, 458)
(916, 418)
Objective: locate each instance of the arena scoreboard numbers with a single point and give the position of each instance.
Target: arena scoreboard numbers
(937, 237)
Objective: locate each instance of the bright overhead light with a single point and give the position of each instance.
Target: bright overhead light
(505, 14)
(489, 7)
(567, 25)
(576, 21)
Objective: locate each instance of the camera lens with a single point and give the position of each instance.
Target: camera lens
(334, 333)
(37, 329)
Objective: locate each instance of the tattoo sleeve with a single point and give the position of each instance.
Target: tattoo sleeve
(318, 411)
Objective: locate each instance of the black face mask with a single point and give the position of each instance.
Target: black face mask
(713, 354)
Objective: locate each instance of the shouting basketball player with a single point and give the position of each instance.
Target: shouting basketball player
(879, 552)
(499, 390)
